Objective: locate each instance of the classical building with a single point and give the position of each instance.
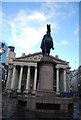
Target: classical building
(23, 73)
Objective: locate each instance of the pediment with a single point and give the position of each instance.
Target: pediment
(59, 61)
(31, 57)
(37, 57)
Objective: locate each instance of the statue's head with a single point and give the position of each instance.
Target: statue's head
(48, 28)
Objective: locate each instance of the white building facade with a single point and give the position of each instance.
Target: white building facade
(23, 74)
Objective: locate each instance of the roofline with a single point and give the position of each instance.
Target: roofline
(29, 55)
(59, 59)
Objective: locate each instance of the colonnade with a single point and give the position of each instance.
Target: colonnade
(58, 79)
(12, 79)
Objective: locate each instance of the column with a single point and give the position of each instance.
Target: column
(13, 78)
(9, 78)
(64, 77)
(28, 80)
(35, 79)
(68, 80)
(57, 80)
(20, 79)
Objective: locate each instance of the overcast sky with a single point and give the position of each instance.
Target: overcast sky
(24, 24)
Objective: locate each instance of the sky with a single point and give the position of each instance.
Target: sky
(24, 25)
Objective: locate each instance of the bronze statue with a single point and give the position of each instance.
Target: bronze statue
(47, 42)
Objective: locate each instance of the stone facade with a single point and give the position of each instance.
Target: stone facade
(23, 74)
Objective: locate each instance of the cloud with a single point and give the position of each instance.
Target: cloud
(59, 10)
(37, 16)
(76, 32)
(27, 30)
(64, 42)
(28, 26)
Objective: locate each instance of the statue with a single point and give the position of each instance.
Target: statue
(47, 42)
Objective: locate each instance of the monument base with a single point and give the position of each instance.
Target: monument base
(46, 94)
(46, 104)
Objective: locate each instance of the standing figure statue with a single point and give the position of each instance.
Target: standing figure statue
(47, 42)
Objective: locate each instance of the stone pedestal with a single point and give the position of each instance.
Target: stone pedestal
(46, 77)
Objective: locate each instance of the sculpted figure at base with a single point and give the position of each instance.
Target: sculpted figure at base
(47, 42)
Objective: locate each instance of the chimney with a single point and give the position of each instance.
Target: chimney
(23, 54)
(10, 54)
(56, 56)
